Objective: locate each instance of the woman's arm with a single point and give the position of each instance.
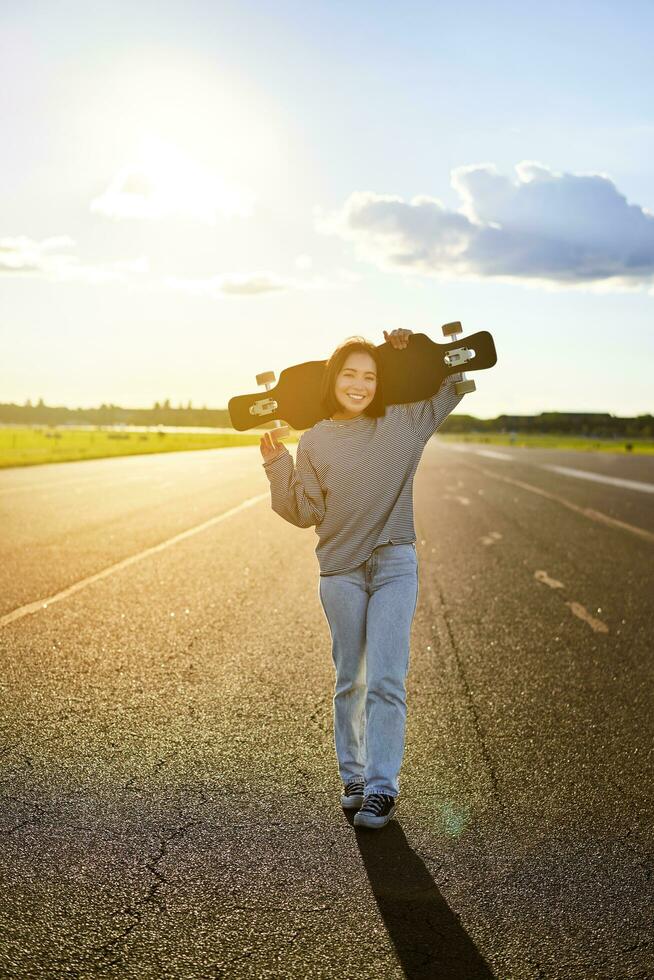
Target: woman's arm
(427, 416)
(295, 492)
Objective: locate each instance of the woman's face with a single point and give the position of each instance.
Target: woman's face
(357, 377)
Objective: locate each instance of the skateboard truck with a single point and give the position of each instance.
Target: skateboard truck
(459, 356)
(268, 405)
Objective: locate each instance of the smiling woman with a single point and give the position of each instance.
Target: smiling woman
(353, 481)
(352, 384)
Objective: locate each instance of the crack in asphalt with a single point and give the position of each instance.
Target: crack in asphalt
(158, 766)
(32, 820)
(645, 860)
(221, 969)
(275, 908)
(151, 899)
(26, 764)
(441, 613)
(319, 718)
(9, 748)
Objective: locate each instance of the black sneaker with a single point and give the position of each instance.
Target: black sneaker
(352, 796)
(377, 810)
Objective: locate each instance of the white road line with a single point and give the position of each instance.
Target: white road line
(40, 604)
(82, 484)
(581, 612)
(491, 538)
(42, 486)
(542, 576)
(505, 457)
(575, 608)
(593, 515)
(462, 500)
(613, 481)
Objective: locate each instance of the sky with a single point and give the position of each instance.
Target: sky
(194, 193)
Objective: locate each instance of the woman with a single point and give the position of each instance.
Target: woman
(353, 480)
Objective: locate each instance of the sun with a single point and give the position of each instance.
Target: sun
(161, 181)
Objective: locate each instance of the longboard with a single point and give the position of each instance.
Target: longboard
(412, 374)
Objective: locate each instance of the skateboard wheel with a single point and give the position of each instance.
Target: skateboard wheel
(465, 387)
(281, 431)
(268, 377)
(450, 328)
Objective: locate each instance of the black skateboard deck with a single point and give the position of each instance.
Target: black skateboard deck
(412, 374)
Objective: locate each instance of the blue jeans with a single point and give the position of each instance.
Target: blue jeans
(370, 611)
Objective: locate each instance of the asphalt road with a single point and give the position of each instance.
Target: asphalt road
(170, 793)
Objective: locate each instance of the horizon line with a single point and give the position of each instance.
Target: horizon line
(163, 406)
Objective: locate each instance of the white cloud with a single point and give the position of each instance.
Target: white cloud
(23, 256)
(256, 283)
(163, 183)
(557, 229)
(52, 259)
(246, 284)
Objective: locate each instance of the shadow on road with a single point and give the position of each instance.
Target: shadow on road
(428, 936)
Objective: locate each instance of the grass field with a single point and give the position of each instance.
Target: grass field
(578, 443)
(24, 446)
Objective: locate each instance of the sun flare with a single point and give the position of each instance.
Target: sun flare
(162, 181)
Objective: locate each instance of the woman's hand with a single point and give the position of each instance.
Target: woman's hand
(270, 447)
(398, 338)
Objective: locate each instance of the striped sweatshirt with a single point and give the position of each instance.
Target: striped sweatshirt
(353, 478)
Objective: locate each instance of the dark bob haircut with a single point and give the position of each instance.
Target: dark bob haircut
(353, 345)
